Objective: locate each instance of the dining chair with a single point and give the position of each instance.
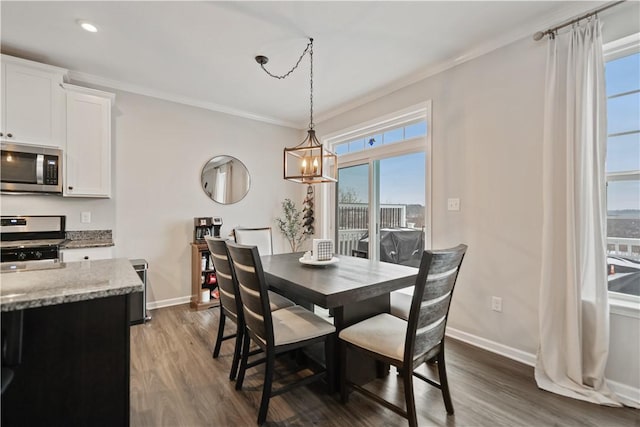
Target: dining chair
(260, 237)
(407, 344)
(230, 304)
(276, 332)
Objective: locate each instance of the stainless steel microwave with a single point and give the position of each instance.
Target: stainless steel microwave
(30, 169)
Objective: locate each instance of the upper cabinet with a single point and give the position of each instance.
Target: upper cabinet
(39, 108)
(88, 149)
(32, 103)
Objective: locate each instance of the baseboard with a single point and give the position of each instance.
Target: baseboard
(627, 395)
(168, 302)
(494, 347)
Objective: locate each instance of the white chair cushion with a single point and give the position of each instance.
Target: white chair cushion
(277, 301)
(293, 324)
(401, 302)
(383, 334)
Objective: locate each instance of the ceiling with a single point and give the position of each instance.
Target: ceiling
(202, 53)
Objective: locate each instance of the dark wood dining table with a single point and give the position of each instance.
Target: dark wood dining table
(353, 288)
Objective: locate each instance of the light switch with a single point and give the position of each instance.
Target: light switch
(85, 217)
(453, 204)
(496, 304)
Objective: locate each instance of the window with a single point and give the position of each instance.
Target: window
(414, 129)
(622, 74)
(380, 208)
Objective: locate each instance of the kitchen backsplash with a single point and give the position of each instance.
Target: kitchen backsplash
(90, 235)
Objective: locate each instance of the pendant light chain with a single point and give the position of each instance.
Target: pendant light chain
(284, 76)
(263, 60)
(309, 162)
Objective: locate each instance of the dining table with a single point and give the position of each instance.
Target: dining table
(352, 288)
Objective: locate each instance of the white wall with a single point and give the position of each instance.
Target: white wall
(102, 210)
(487, 150)
(159, 149)
(486, 136)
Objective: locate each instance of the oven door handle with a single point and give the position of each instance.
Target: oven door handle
(40, 169)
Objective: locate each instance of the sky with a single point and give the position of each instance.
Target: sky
(623, 115)
(402, 180)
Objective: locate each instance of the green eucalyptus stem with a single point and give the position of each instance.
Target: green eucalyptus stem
(291, 226)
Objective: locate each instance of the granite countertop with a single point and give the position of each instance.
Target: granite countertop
(86, 243)
(68, 282)
(88, 239)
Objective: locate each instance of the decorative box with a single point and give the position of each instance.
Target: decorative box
(322, 249)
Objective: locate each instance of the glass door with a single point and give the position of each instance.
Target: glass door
(352, 216)
(401, 208)
(381, 212)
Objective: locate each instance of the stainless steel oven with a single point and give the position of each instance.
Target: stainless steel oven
(30, 169)
(31, 242)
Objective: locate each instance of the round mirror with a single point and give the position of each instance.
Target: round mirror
(225, 179)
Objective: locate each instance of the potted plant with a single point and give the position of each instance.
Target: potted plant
(292, 225)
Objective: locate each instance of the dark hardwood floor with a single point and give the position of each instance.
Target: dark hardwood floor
(176, 382)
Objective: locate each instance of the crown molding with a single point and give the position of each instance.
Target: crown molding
(567, 12)
(33, 64)
(570, 11)
(89, 91)
(76, 76)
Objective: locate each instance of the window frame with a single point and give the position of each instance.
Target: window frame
(620, 303)
(421, 111)
(350, 138)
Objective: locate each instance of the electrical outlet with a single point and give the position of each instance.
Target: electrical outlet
(85, 217)
(496, 304)
(453, 204)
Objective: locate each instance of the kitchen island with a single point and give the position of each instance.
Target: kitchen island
(65, 330)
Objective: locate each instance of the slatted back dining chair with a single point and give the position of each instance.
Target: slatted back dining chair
(277, 331)
(230, 302)
(230, 305)
(260, 237)
(407, 344)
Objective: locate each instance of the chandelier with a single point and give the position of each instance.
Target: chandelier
(309, 162)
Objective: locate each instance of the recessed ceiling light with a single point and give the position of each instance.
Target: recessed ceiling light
(88, 26)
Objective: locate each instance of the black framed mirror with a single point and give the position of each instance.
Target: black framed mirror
(225, 179)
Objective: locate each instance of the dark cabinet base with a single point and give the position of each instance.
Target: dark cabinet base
(74, 367)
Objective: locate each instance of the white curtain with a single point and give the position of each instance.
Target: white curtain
(223, 176)
(574, 308)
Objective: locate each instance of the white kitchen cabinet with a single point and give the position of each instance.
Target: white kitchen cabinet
(69, 255)
(32, 103)
(88, 151)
